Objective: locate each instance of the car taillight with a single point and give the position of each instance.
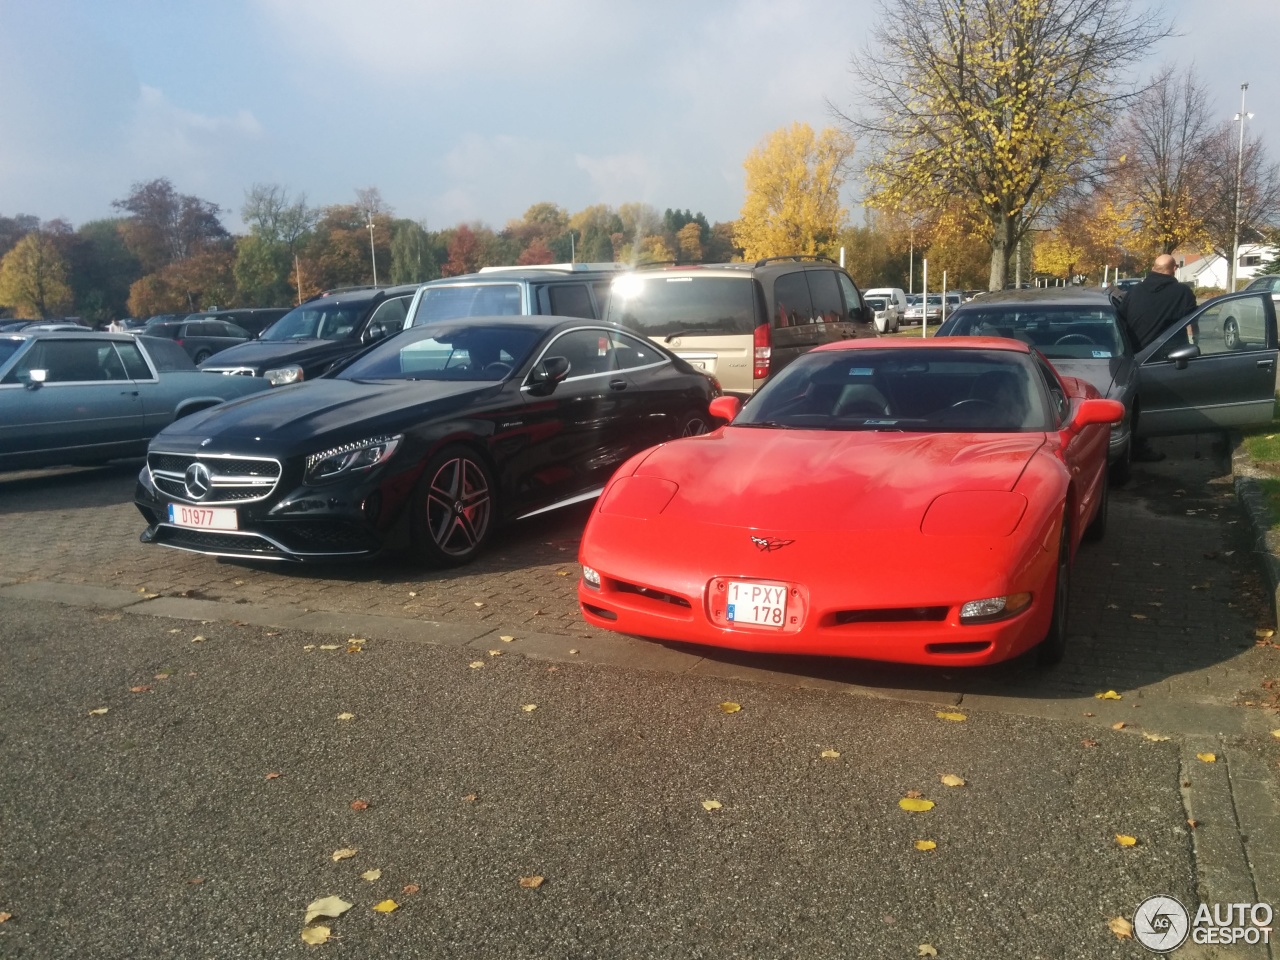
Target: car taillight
(764, 350)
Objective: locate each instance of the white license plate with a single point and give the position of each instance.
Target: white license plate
(753, 602)
(203, 518)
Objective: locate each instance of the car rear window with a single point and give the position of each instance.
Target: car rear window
(166, 356)
(669, 306)
(1058, 332)
(451, 301)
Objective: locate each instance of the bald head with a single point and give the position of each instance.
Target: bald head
(1165, 264)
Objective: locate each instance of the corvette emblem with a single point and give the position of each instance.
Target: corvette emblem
(770, 544)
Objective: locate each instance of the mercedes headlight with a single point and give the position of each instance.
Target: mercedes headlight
(349, 458)
(282, 375)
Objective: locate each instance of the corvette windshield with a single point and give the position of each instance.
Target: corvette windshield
(1059, 332)
(317, 321)
(447, 351)
(916, 390)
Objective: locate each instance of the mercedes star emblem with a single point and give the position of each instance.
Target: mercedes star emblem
(197, 480)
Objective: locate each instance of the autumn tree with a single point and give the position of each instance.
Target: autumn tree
(412, 256)
(1250, 202)
(598, 230)
(279, 225)
(793, 192)
(464, 253)
(202, 281)
(13, 229)
(689, 242)
(101, 269)
(165, 226)
(998, 105)
(33, 278)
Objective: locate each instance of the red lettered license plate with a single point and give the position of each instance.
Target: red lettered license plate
(749, 601)
(203, 518)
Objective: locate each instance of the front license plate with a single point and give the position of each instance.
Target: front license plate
(760, 603)
(203, 518)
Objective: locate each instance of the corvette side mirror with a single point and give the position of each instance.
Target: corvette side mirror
(1097, 411)
(725, 408)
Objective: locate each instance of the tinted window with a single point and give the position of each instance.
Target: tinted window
(935, 391)
(631, 352)
(793, 304)
(231, 330)
(7, 349)
(167, 356)
(446, 352)
(318, 321)
(589, 352)
(389, 317)
(73, 361)
(170, 330)
(449, 302)
(134, 365)
(571, 300)
(1059, 332)
(684, 305)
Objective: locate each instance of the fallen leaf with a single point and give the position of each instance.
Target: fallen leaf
(162, 676)
(1264, 633)
(346, 853)
(925, 845)
(139, 689)
(99, 711)
(1193, 824)
(562, 573)
(1108, 695)
(1121, 927)
(1118, 725)
(914, 794)
(359, 804)
(1207, 757)
(573, 653)
(506, 639)
(371, 875)
(309, 646)
(469, 797)
(1089, 742)
(1154, 737)
(346, 716)
(529, 707)
(926, 950)
(355, 649)
(476, 664)
(198, 639)
(537, 613)
(531, 883)
(1125, 840)
(479, 603)
(273, 633)
(1138, 616)
(195, 880)
(385, 906)
(830, 754)
(495, 653)
(5, 916)
(915, 804)
(951, 780)
(1276, 734)
(1088, 714)
(326, 907)
(711, 805)
(730, 707)
(410, 888)
(948, 715)
(238, 583)
(316, 935)
(413, 593)
(1113, 606)
(273, 776)
(329, 646)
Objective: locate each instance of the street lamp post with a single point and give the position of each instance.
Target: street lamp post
(373, 256)
(1235, 240)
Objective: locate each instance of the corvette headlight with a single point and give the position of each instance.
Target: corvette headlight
(282, 375)
(350, 458)
(591, 577)
(993, 608)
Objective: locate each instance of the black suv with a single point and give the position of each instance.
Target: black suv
(557, 289)
(310, 338)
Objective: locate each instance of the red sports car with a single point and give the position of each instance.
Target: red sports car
(918, 501)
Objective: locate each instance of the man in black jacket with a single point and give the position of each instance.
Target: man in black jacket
(1156, 304)
(1149, 309)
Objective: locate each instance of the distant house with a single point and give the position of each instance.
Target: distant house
(1211, 270)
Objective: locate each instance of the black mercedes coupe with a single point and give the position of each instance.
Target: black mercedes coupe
(428, 439)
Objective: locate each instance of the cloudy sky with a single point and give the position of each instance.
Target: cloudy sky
(460, 111)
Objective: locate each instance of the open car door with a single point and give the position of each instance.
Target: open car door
(1214, 371)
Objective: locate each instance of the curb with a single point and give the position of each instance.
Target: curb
(1244, 477)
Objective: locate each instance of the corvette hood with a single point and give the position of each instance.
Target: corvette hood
(776, 479)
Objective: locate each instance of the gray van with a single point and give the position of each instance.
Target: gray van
(561, 289)
(742, 322)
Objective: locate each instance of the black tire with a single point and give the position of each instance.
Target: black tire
(1231, 334)
(201, 357)
(693, 423)
(1054, 645)
(1097, 528)
(454, 508)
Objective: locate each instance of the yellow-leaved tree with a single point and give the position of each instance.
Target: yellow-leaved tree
(793, 193)
(33, 278)
(998, 107)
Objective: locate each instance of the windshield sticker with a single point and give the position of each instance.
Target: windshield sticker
(879, 423)
(1101, 354)
(860, 371)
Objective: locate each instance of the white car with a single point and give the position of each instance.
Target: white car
(887, 319)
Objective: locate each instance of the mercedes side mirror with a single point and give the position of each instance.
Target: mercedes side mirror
(1183, 354)
(545, 374)
(35, 378)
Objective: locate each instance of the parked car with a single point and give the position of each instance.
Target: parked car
(430, 439)
(312, 337)
(1269, 283)
(742, 322)
(86, 397)
(1225, 379)
(919, 312)
(252, 319)
(969, 463)
(885, 312)
(553, 289)
(896, 294)
(201, 338)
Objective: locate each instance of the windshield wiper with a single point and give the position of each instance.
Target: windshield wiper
(772, 423)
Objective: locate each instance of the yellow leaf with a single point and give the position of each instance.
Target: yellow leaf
(1109, 695)
(371, 875)
(346, 716)
(1264, 633)
(346, 853)
(506, 639)
(730, 707)
(5, 916)
(326, 907)
(562, 573)
(1138, 616)
(915, 804)
(476, 664)
(926, 950)
(1207, 757)
(316, 935)
(1118, 725)
(1276, 734)
(329, 646)
(197, 639)
(1125, 840)
(830, 754)
(1156, 737)
(529, 707)
(531, 883)
(385, 906)
(711, 805)
(98, 712)
(946, 715)
(951, 780)
(573, 652)
(479, 603)
(1121, 927)
(925, 845)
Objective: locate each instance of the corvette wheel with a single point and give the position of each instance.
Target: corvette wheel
(453, 510)
(1054, 644)
(1097, 528)
(693, 424)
